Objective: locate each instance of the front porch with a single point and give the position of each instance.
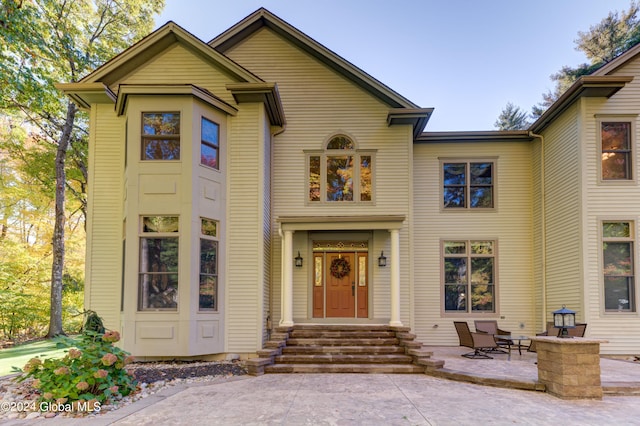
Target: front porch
(312, 247)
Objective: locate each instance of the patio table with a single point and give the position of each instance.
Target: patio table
(511, 341)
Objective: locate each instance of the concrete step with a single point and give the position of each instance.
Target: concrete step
(347, 327)
(342, 334)
(341, 342)
(345, 368)
(343, 359)
(317, 349)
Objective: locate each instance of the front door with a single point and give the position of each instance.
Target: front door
(341, 285)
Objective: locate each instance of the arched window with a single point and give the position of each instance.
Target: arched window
(340, 173)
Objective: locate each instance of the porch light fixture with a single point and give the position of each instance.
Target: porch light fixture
(298, 260)
(382, 260)
(564, 319)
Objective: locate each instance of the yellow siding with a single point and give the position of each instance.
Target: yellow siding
(245, 243)
(317, 104)
(563, 220)
(538, 252)
(178, 65)
(605, 202)
(104, 231)
(510, 225)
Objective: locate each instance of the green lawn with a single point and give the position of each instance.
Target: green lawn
(19, 355)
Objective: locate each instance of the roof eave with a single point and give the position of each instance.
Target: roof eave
(266, 93)
(417, 117)
(86, 94)
(586, 86)
(475, 136)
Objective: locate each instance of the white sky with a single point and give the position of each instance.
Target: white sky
(465, 58)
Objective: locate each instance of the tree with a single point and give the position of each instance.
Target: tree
(603, 42)
(50, 41)
(512, 118)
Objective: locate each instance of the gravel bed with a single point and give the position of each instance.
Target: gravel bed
(18, 400)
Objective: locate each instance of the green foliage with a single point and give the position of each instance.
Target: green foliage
(92, 370)
(93, 323)
(512, 118)
(43, 144)
(605, 41)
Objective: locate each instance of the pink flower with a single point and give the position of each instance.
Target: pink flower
(82, 386)
(74, 353)
(32, 365)
(113, 389)
(60, 371)
(61, 400)
(111, 336)
(109, 359)
(100, 374)
(129, 359)
(47, 395)
(36, 383)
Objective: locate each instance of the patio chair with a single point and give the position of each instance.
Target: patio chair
(491, 327)
(479, 342)
(578, 331)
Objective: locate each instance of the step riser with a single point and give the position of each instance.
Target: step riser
(344, 368)
(313, 334)
(345, 350)
(342, 342)
(343, 359)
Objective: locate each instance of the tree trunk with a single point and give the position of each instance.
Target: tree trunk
(58, 242)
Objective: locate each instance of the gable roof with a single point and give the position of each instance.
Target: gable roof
(156, 42)
(263, 18)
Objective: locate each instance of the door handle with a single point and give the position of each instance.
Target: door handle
(353, 288)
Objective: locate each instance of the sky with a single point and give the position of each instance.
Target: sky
(465, 58)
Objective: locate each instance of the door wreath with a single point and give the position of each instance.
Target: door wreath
(340, 267)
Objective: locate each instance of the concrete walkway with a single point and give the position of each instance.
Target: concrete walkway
(377, 399)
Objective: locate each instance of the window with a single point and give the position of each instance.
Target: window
(468, 185)
(209, 145)
(469, 276)
(616, 150)
(340, 173)
(208, 294)
(160, 136)
(618, 266)
(158, 286)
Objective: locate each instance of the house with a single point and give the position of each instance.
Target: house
(261, 179)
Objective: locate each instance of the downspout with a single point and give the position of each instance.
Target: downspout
(543, 220)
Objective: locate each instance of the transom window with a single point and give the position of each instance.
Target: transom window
(158, 285)
(616, 150)
(468, 185)
(160, 135)
(618, 266)
(469, 276)
(208, 294)
(340, 173)
(209, 145)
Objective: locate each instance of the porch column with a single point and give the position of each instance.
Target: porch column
(287, 280)
(395, 278)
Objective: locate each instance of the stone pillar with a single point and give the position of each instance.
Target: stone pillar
(395, 278)
(287, 280)
(570, 368)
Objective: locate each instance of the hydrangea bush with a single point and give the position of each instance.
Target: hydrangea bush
(91, 372)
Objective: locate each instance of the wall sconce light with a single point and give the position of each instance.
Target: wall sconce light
(563, 319)
(382, 260)
(298, 260)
